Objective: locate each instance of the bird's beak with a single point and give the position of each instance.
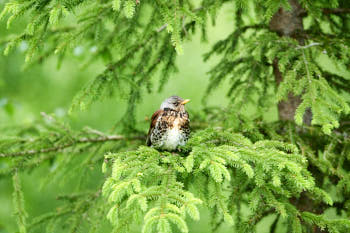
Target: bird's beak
(185, 101)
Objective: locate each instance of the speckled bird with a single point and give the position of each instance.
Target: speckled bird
(170, 125)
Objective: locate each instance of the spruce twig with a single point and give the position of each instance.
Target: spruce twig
(73, 143)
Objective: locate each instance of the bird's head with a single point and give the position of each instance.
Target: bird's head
(175, 103)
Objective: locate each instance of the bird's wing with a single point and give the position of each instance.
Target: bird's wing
(154, 119)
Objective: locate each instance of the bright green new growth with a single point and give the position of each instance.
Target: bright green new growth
(144, 183)
(162, 188)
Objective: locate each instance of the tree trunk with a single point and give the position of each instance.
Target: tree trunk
(290, 24)
(286, 108)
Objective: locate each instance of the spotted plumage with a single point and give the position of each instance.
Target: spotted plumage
(170, 125)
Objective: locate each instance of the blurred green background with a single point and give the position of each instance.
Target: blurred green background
(44, 88)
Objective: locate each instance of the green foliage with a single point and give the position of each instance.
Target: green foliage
(132, 51)
(237, 165)
(158, 189)
(149, 184)
(331, 225)
(18, 203)
(249, 69)
(145, 183)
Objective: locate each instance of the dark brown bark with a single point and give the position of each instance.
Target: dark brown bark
(286, 108)
(290, 24)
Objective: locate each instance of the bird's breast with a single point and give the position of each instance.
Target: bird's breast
(176, 123)
(174, 135)
(171, 130)
(173, 138)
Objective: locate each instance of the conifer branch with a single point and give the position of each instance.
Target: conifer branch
(233, 160)
(18, 202)
(48, 216)
(81, 204)
(309, 45)
(183, 21)
(101, 139)
(336, 11)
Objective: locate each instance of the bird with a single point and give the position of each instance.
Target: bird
(170, 125)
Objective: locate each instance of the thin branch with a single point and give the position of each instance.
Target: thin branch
(70, 144)
(309, 45)
(184, 24)
(274, 224)
(309, 34)
(336, 11)
(257, 217)
(25, 36)
(49, 216)
(306, 67)
(162, 27)
(165, 25)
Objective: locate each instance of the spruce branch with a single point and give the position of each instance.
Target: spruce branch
(215, 154)
(77, 204)
(233, 160)
(18, 202)
(74, 142)
(309, 45)
(183, 21)
(336, 11)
